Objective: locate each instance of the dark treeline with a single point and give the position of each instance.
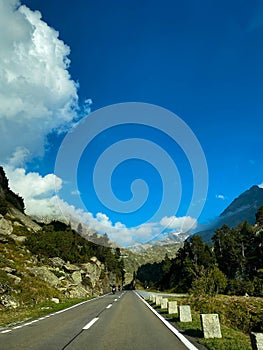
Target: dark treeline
(232, 265)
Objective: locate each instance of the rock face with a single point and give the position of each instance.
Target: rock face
(69, 280)
(76, 281)
(25, 220)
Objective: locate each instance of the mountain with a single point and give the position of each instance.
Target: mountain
(167, 240)
(40, 262)
(243, 208)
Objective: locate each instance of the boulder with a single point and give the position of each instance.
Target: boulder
(57, 262)
(8, 269)
(45, 274)
(95, 260)
(18, 239)
(55, 300)
(6, 227)
(70, 268)
(9, 302)
(76, 277)
(15, 278)
(77, 292)
(92, 271)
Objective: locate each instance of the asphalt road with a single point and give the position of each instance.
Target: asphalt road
(121, 321)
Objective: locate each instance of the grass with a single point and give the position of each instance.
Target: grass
(12, 317)
(231, 339)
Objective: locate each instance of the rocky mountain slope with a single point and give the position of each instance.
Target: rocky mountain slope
(243, 208)
(27, 278)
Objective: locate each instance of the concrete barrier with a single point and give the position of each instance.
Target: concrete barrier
(158, 300)
(256, 341)
(185, 313)
(151, 297)
(172, 307)
(211, 326)
(164, 303)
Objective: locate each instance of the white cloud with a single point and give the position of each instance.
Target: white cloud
(179, 224)
(41, 201)
(32, 185)
(37, 94)
(220, 196)
(260, 185)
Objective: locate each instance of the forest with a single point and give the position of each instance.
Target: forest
(232, 265)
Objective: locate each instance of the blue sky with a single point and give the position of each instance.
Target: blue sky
(200, 60)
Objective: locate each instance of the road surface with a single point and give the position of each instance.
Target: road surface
(121, 321)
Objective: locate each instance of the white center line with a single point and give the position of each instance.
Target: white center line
(115, 299)
(7, 331)
(109, 306)
(91, 323)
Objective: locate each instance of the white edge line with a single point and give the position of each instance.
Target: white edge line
(91, 323)
(185, 341)
(6, 331)
(109, 306)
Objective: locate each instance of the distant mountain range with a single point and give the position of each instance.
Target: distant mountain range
(243, 208)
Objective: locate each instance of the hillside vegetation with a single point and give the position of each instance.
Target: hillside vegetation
(233, 265)
(41, 262)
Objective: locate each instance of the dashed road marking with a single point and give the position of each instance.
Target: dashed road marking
(91, 323)
(109, 306)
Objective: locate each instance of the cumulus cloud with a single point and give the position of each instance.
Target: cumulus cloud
(179, 224)
(37, 94)
(42, 201)
(260, 185)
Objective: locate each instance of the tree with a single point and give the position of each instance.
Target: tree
(259, 216)
(211, 281)
(166, 264)
(228, 251)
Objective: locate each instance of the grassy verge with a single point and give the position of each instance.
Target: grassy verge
(11, 317)
(231, 339)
